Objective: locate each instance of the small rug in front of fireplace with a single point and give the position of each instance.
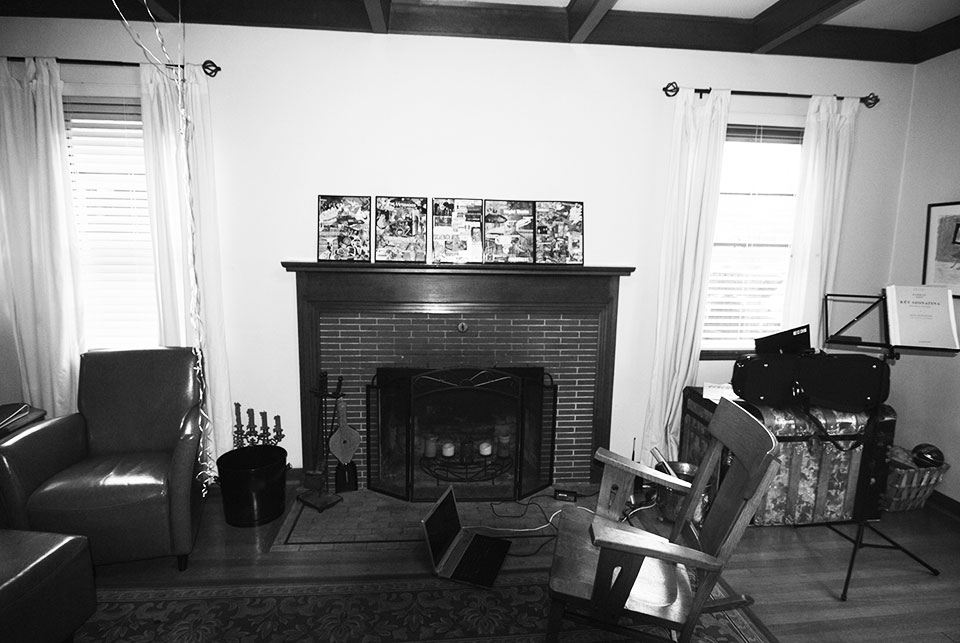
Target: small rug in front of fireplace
(369, 517)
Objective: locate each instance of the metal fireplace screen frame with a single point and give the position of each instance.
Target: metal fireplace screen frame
(488, 432)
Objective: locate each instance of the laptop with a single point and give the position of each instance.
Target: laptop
(458, 552)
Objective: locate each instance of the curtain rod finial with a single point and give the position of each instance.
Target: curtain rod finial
(870, 100)
(671, 89)
(211, 68)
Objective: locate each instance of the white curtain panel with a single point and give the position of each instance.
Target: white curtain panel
(183, 210)
(699, 132)
(825, 166)
(38, 240)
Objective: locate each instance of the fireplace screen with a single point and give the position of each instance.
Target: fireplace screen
(489, 433)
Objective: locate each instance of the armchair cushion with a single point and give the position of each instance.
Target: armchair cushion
(98, 495)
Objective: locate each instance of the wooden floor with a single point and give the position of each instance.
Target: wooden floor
(794, 574)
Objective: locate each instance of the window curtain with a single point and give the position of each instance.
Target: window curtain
(38, 240)
(696, 154)
(183, 211)
(825, 166)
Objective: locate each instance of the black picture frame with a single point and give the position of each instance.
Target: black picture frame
(941, 249)
(559, 232)
(400, 229)
(508, 231)
(343, 228)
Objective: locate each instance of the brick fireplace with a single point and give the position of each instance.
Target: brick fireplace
(356, 318)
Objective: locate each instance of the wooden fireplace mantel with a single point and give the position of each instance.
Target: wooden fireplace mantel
(323, 287)
(505, 284)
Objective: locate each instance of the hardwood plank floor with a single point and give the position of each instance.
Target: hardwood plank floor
(794, 574)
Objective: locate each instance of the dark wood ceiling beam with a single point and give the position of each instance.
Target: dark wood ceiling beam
(160, 12)
(851, 43)
(479, 20)
(938, 40)
(583, 17)
(789, 18)
(641, 29)
(379, 12)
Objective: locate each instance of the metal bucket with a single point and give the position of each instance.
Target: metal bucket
(669, 501)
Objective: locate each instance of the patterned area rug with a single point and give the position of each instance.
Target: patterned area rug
(424, 610)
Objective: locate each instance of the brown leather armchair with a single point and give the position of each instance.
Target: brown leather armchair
(123, 470)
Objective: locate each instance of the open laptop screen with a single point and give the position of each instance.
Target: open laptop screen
(442, 525)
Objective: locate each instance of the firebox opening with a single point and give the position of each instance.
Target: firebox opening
(488, 432)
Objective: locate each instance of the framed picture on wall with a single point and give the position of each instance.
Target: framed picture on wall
(559, 237)
(400, 229)
(457, 228)
(343, 228)
(941, 252)
(508, 231)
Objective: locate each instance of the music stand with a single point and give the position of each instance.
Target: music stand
(871, 303)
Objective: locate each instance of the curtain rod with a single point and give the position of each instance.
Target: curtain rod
(671, 89)
(209, 67)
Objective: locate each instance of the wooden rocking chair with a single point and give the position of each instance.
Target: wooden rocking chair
(604, 569)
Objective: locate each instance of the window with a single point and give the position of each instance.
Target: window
(754, 232)
(109, 188)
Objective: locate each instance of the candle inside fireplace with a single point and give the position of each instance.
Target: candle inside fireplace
(430, 447)
(485, 448)
(448, 449)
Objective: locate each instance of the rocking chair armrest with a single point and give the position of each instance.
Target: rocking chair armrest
(624, 538)
(609, 458)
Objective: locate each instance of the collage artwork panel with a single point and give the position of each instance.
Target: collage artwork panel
(344, 228)
(508, 232)
(560, 232)
(457, 230)
(401, 229)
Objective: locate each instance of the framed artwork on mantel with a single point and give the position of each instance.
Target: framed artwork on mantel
(457, 230)
(507, 231)
(559, 236)
(400, 230)
(343, 224)
(941, 251)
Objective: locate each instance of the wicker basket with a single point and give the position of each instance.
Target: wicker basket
(908, 486)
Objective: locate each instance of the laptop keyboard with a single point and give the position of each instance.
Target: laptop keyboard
(475, 565)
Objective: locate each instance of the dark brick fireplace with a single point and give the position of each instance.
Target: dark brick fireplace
(355, 318)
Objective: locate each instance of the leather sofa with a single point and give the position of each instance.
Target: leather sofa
(123, 470)
(46, 586)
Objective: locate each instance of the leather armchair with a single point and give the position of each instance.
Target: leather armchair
(124, 469)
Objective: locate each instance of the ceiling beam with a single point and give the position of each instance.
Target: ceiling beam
(787, 19)
(479, 20)
(159, 11)
(938, 40)
(379, 12)
(583, 17)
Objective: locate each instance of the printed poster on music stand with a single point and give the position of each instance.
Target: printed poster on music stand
(457, 230)
(343, 228)
(559, 236)
(401, 229)
(508, 231)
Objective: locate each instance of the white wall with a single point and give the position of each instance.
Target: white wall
(300, 113)
(925, 388)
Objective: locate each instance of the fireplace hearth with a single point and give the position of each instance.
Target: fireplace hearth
(488, 432)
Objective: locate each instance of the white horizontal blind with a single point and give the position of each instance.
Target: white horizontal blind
(108, 180)
(754, 233)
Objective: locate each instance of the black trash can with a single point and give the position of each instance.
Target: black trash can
(252, 483)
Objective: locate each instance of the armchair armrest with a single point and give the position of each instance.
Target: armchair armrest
(32, 455)
(621, 537)
(610, 458)
(184, 469)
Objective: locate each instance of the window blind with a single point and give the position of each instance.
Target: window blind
(753, 236)
(108, 183)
